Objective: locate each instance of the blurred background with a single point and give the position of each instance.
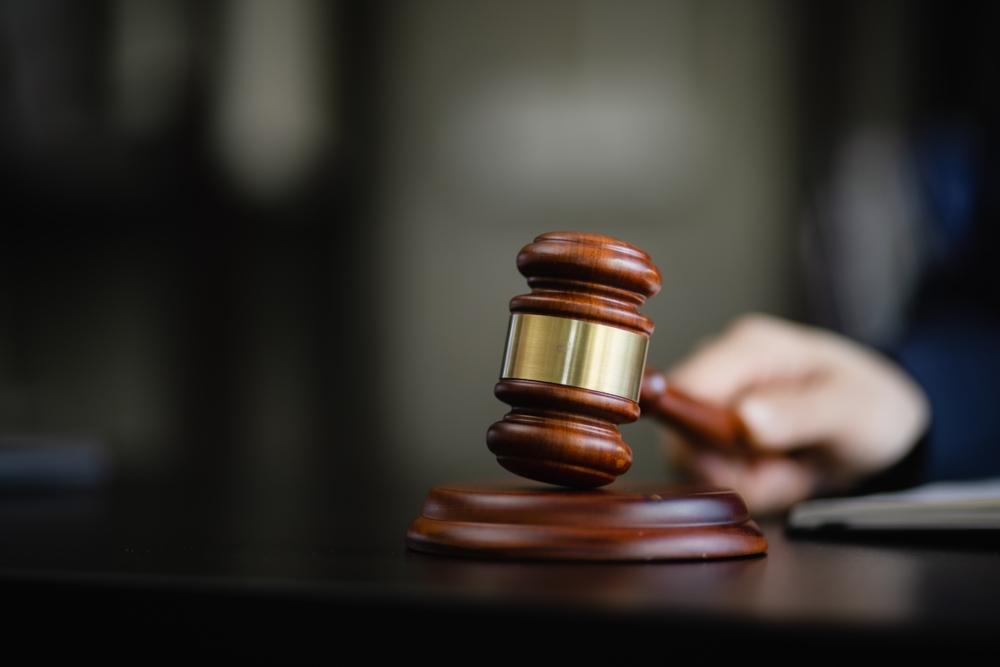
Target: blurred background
(268, 244)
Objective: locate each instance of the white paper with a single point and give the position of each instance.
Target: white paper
(939, 506)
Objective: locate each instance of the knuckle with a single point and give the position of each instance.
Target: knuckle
(750, 324)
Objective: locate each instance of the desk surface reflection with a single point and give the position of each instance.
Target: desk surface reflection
(163, 550)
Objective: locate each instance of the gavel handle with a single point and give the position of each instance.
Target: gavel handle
(714, 426)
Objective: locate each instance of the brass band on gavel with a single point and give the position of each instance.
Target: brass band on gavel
(575, 353)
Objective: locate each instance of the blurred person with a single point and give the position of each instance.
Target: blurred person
(902, 384)
(827, 411)
(821, 411)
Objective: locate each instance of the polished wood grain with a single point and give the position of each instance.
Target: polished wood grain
(566, 435)
(587, 277)
(707, 424)
(626, 522)
(561, 435)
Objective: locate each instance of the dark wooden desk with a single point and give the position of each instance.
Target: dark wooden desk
(166, 562)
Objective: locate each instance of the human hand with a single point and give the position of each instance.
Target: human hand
(821, 412)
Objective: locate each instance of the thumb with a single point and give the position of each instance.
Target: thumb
(789, 416)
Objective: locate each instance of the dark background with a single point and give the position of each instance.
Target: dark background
(264, 249)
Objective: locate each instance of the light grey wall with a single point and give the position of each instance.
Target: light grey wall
(666, 124)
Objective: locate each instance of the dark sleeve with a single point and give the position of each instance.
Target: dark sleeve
(953, 352)
(952, 347)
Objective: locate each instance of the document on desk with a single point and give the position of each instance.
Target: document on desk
(973, 505)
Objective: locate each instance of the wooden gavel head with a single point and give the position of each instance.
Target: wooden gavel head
(575, 353)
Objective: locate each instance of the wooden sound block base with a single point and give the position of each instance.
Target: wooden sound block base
(623, 522)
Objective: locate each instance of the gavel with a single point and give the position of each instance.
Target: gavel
(574, 365)
(572, 371)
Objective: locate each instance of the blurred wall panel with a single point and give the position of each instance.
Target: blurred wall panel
(666, 124)
(90, 350)
(170, 195)
(277, 383)
(149, 56)
(275, 106)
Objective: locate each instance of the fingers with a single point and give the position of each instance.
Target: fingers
(770, 484)
(813, 403)
(792, 415)
(856, 405)
(755, 349)
(767, 484)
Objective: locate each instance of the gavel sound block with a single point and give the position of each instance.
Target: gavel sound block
(572, 371)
